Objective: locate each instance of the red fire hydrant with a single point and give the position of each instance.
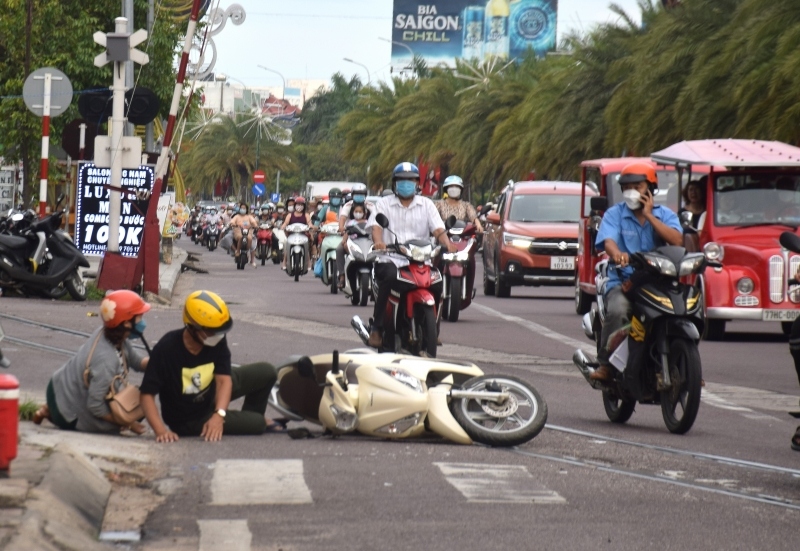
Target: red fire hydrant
(9, 420)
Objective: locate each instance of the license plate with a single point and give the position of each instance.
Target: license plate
(562, 262)
(780, 315)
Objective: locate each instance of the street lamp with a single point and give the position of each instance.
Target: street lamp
(369, 78)
(221, 78)
(283, 90)
(406, 46)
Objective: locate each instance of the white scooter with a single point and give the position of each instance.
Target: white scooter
(297, 242)
(358, 264)
(397, 396)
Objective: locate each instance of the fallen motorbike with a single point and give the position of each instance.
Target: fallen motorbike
(396, 396)
(264, 246)
(43, 259)
(3, 360)
(458, 269)
(330, 241)
(358, 264)
(297, 243)
(656, 359)
(410, 325)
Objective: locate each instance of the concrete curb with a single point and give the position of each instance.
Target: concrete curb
(169, 273)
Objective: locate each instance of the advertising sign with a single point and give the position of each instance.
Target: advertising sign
(6, 190)
(91, 211)
(442, 30)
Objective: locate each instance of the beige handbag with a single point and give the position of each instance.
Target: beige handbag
(123, 403)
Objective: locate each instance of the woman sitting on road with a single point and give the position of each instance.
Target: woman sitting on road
(77, 393)
(244, 220)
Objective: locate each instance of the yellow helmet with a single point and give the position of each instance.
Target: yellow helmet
(207, 311)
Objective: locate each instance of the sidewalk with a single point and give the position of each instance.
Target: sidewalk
(72, 490)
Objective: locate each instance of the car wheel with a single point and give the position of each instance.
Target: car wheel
(488, 285)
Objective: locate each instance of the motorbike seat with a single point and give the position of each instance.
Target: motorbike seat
(13, 242)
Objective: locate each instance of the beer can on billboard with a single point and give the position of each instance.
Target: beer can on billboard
(472, 41)
(496, 39)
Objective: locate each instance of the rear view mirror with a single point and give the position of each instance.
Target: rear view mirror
(493, 218)
(450, 222)
(790, 241)
(382, 221)
(599, 203)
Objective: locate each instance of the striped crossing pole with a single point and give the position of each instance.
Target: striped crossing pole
(44, 167)
(152, 230)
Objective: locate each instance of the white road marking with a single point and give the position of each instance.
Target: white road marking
(482, 483)
(259, 482)
(230, 535)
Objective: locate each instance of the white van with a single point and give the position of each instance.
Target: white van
(317, 189)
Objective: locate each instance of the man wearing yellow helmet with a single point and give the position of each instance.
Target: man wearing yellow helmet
(190, 369)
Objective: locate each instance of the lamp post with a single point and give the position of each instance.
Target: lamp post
(221, 78)
(369, 78)
(283, 90)
(406, 46)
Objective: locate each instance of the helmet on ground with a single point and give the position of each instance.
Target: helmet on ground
(453, 180)
(335, 192)
(638, 172)
(120, 306)
(206, 311)
(405, 171)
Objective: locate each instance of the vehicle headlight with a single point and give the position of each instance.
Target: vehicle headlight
(690, 264)
(420, 254)
(401, 425)
(519, 241)
(714, 251)
(345, 420)
(745, 286)
(662, 264)
(404, 377)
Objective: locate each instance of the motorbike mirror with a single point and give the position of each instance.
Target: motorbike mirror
(598, 203)
(335, 364)
(790, 241)
(450, 222)
(305, 367)
(382, 221)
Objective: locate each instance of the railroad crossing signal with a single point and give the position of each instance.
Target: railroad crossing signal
(121, 47)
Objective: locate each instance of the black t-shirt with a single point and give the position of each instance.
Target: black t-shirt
(184, 381)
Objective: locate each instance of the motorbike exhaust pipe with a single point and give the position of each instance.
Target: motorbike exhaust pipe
(360, 329)
(586, 367)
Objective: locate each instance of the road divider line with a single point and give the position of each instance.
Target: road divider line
(482, 483)
(259, 482)
(230, 535)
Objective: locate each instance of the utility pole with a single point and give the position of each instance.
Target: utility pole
(127, 13)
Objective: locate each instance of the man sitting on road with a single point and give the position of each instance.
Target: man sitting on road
(410, 217)
(190, 369)
(632, 226)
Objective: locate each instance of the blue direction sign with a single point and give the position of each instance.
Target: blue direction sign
(259, 190)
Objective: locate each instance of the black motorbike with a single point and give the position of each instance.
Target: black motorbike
(241, 258)
(42, 259)
(655, 360)
(211, 236)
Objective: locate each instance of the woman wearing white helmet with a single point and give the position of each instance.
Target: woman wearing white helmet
(453, 205)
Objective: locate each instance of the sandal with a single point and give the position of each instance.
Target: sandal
(796, 440)
(275, 426)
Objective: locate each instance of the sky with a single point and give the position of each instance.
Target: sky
(309, 39)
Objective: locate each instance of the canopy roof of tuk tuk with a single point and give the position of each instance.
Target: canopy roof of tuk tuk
(729, 153)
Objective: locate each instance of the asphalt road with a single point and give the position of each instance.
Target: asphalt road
(732, 482)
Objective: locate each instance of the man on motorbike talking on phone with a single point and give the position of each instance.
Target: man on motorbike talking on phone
(634, 225)
(410, 217)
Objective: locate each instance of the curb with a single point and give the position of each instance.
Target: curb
(169, 273)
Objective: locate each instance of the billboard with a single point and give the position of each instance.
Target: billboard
(442, 30)
(92, 209)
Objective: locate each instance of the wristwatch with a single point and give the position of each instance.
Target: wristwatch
(222, 413)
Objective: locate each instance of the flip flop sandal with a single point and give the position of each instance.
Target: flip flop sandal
(275, 427)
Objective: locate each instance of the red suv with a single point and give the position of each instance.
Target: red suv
(532, 239)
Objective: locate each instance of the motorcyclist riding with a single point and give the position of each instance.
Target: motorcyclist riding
(244, 220)
(298, 216)
(410, 217)
(359, 193)
(633, 225)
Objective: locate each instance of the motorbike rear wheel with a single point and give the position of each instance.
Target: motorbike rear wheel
(617, 409)
(452, 305)
(366, 281)
(512, 423)
(681, 402)
(75, 285)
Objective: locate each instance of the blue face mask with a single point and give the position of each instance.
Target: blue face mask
(406, 188)
(359, 199)
(336, 201)
(138, 329)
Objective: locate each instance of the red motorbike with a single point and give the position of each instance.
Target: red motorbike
(264, 241)
(458, 269)
(410, 323)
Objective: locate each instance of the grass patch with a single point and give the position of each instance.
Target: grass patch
(92, 292)
(27, 409)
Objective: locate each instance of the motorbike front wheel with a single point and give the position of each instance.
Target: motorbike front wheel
(516, 421)
(617, 409)
(452, 305)
(366, 285)
(427, 336)
(332, 277)
(262, 252)
(75, 285)
(681, 402)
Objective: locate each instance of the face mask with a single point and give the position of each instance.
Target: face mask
(280, 211)
(406, 188)
(242, 210)
(213, 340)
(290, 208)
(359, 199)
(454, 192)
(336, 201)
(358, 215)
(632, 198)
(299, 208)
(138, 329)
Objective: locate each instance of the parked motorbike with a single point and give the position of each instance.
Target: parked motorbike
(395, 396)
(211, 236)
(264, 246)
(332, 238)
(656, 359)
(298, 247)
(410, 325)
(3, 360)
(43, 259)
(358, 264)
(241, 258)
(458, 269)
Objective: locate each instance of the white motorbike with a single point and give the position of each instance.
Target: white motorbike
(397, 396)
(358, 264)
(297, 249)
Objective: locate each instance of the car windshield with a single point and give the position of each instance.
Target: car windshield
(666, 196)
(546, 208)
(757, 198)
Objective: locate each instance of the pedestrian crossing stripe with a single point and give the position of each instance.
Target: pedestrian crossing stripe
(484, 483)
(259, 482)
